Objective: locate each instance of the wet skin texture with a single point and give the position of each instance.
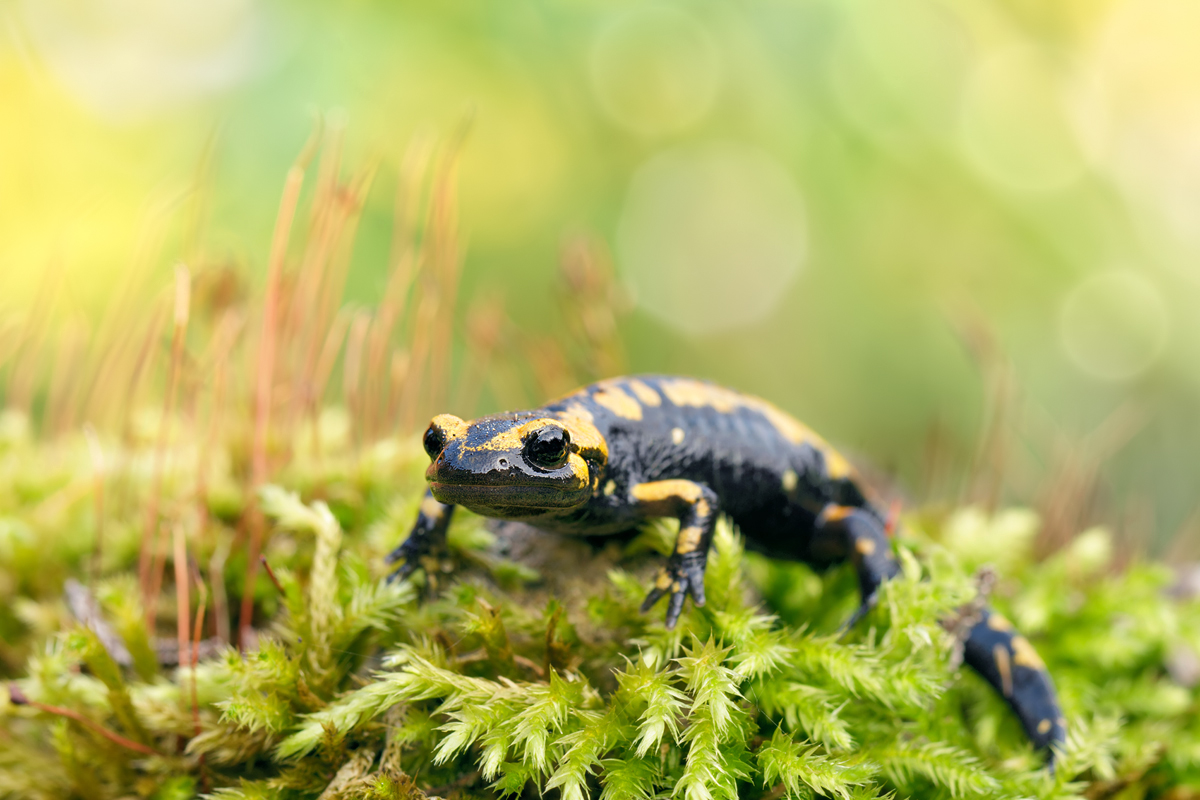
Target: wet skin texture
(617, 453)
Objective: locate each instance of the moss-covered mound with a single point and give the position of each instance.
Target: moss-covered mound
(524, 667)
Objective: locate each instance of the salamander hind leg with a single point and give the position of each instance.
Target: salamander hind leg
(1008, 662)
(843, 532)
(695, 505)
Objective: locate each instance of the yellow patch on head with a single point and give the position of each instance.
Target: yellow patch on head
(1024, 655)
(677, 435)
(645, 394)
(790, 481)
(1004, 667)
(998, 623)
(618, 402)
(454, 427)
(585, 436)
(1044, 726)
(513, 439)
(865, 546)
(509, 441)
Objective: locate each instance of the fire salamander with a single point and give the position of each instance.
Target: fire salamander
(619, 452)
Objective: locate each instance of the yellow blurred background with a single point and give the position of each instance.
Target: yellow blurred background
(960, 238)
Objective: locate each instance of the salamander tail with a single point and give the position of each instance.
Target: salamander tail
(1008, 662)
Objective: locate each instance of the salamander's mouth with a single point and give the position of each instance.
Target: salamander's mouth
(492, 498)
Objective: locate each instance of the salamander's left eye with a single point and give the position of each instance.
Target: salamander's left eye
(434, 440)
(547, 447)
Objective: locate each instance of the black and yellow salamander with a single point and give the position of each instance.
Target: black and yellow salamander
(619, 452)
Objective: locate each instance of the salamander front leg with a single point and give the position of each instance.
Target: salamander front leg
(428, 534)
(1008, 662)
(695, 505)
(847, 532)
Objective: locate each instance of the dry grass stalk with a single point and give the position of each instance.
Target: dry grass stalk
(23, 380)
(65, 374)
(266, 366)
(96, 454)
(182, 599)
(353, 367)
(152, 556)
(223, 342)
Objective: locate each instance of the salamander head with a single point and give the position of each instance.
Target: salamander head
(513, 466)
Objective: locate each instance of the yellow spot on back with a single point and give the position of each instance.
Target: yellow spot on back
(1044, 726)
(609, 488)
(865, 546)
(666, 490)
(836, 466)
(836, 513)
(1024, 655)
(645, 394)
(998, 623)
(684, 392)
(579, 411)
(790, 481)
(618, 402)
(1004, 666)
(677, 435)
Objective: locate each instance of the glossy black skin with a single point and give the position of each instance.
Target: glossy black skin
(789, 493)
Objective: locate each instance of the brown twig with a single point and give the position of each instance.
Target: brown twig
(271, 574)
(18, 698)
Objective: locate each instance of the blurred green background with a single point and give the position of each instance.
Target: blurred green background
(960, 238)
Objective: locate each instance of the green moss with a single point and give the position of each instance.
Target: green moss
(479, 683)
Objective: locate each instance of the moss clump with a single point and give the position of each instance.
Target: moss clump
(494, 680)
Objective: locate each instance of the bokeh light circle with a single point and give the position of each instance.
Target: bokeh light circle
(1113, 325)
(710, 235)
(1016, 126)
(655, 70)
(132, 59)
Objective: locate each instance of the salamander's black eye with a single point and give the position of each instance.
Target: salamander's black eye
(547, 447)
(434, 441)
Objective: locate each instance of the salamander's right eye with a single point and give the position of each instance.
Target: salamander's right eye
(434, 441)
(547, 447)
